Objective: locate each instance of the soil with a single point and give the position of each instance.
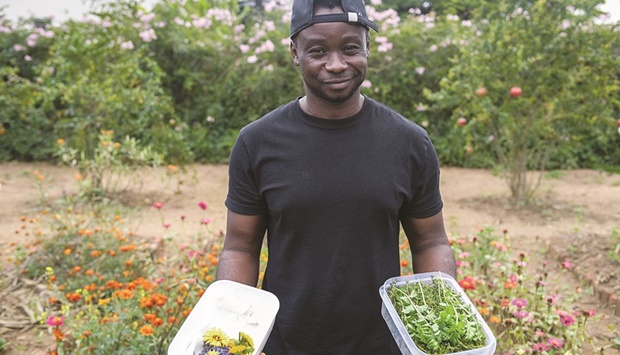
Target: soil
(576, 218)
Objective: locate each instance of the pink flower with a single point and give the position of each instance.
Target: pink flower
(205, 221)
(567, 264)
(521, 314)
(158, 205)
(202, 205)
(519, 303)
(566, 319)
(551, 300)
(540, 347)
(167, 225)
(555, 343)
(55, 321)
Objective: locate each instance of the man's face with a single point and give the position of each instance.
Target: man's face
(333, 58)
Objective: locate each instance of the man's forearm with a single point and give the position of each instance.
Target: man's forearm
(438, 258)
(238, 266)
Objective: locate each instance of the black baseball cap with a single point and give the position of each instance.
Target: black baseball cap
(354, 13)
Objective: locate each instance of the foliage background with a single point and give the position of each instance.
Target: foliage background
(184, 77)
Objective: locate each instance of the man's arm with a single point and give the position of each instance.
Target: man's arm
(430, 247)
(240, 256)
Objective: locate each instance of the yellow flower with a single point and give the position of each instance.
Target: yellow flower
(246, 339)
(215, 337)
(237, 349)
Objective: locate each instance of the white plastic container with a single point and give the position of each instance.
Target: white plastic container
(396, 326)
(232, 307)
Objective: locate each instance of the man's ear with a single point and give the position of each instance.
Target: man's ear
(368, 45)
(294, 55)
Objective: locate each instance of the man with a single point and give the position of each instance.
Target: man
(331, 177)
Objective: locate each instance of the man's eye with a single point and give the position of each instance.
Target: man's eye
(351, 48)
(316, 51)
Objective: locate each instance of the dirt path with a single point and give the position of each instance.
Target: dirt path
(575, 204)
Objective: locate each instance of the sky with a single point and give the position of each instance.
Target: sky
(63, 9)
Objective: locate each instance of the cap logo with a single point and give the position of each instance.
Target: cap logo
(353, 17)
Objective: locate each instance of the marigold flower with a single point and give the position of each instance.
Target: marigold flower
(67, 251)
(95, 253)
(73, 297)
(55, 321)
(103, 301)
(147, 330)
(124, 294)
(77, 268)
(484, 311)
(495, 319)
(58, 334)
(157, 322)
(86, 334)
(60, 141)
(125, 248)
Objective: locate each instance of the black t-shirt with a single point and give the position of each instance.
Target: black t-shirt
(334, 192)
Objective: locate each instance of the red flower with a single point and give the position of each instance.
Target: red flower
(467, 283)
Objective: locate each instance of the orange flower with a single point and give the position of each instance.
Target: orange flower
(112, 253)
(77, 268)
(67, 251)
(173, 320)
(89, 272)
(495, 319)
(73, 297)
(86, 334)
(95, 253)
(58, 334)
(159, 299)
(149, 317)
(124, 294)
(112, 284)
(147, 330)
(484, 311)
(60, 141)
(146, 302)
(509, 285)
(129, 247)
(128, 262)
(157, 322)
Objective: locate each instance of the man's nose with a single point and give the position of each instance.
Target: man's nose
(336, 63)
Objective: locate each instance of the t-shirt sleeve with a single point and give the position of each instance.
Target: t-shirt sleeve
(426, 197)
(244, 196)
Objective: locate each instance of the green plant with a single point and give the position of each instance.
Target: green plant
(105, 171)
(3, 345)
(436, 318)
(544, 50)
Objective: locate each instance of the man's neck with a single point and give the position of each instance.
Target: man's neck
(329, 110)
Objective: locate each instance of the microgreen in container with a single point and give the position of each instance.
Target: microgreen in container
(429, 313)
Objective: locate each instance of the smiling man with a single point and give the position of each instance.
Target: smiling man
(330, 178)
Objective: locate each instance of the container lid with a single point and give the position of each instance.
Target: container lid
(232, 307)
